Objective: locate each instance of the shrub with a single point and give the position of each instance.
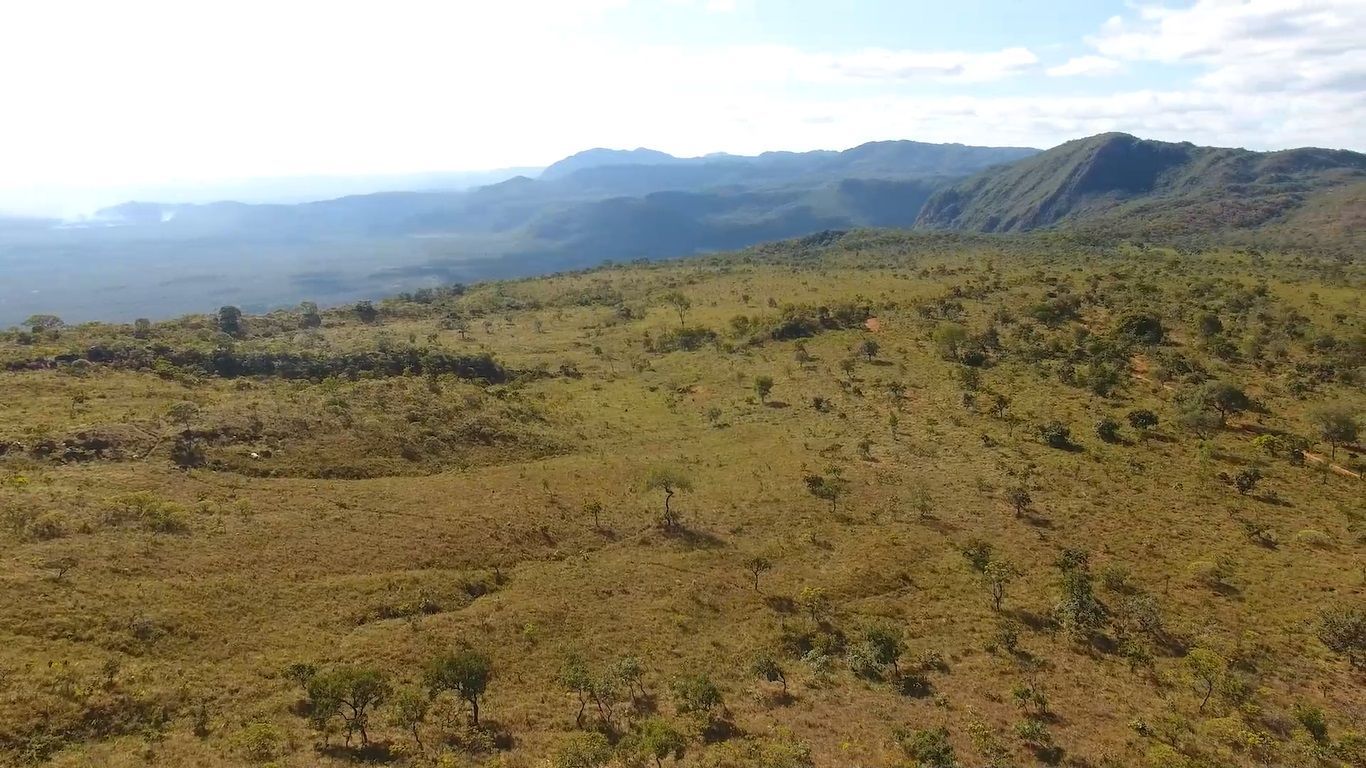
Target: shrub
(1142, 419)
(684, 340)
(1055, 434)
(1142, 327)
(1343, 630)
(978, 554)
(582, 750)
(780, 751)
(1311, 537)
(261, 742)
(697, 695)
(929, 747)
(766, 668)
(762, 386)
(350, 693)
(862, 660)
(1213, 573)
(1246, 480)
(465, 672)
(1107, 429)
(1313, 721)
(148, 512)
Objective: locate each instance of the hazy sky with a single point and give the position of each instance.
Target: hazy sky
(128, 93)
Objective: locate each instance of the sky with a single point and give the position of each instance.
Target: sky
(105, 97)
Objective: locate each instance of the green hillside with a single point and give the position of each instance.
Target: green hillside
(1118, 184)
(877, 499)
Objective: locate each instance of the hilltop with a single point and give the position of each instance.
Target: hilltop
(1117, 183)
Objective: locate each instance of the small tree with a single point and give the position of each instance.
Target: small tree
(657, 739)
(1337, 425)
(407, 711)
(680, 304)
(465, 672)
(885, 642)
(766, 668)
(1246, 480)
(309, 316)
(1142, 419)
(762, 386)
(366, 312)
(1224, 398)
(828, 488)
(350, 693)
(757, 565)
(1055, 434)
(897, 390)
(815, 602)
(593, 508)
(631, 673)
(1019, 499)
(577, 678)
(697, 695)
(142, 328)
(949, 339)
(1079, 611)
(1209, 325)
(1206, 669)
(182, 413)
(1196, 416)
(670, 480)
(39, 324)
(997, 575)
(582, 750)
(869, 348)
(1343, 630)
(230, 320)
(1107, 429)
(930, 748)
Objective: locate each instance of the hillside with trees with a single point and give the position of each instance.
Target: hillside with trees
(865, 498)
(1117, 184)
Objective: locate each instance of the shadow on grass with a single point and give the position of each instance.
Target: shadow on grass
(937, 524)
(721, 729)
(777, 404)
(375, 753)
(1049, 755)
(781, 604)
(1035, 621)
(694, 537)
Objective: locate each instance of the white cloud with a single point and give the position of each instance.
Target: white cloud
(157, 91)
(1085, 66)
(1250, 45)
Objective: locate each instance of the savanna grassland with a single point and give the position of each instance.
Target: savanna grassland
(931, 500)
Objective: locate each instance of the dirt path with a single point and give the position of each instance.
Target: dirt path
(1319, 458)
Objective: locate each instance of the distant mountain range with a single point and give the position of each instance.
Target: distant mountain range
(155, 259)
(600, 183)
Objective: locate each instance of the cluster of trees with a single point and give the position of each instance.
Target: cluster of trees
(232, 362)
(348, 697)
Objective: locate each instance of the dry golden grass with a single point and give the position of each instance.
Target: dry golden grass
(275, 570)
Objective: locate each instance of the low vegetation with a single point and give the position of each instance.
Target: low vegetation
(866, 498)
